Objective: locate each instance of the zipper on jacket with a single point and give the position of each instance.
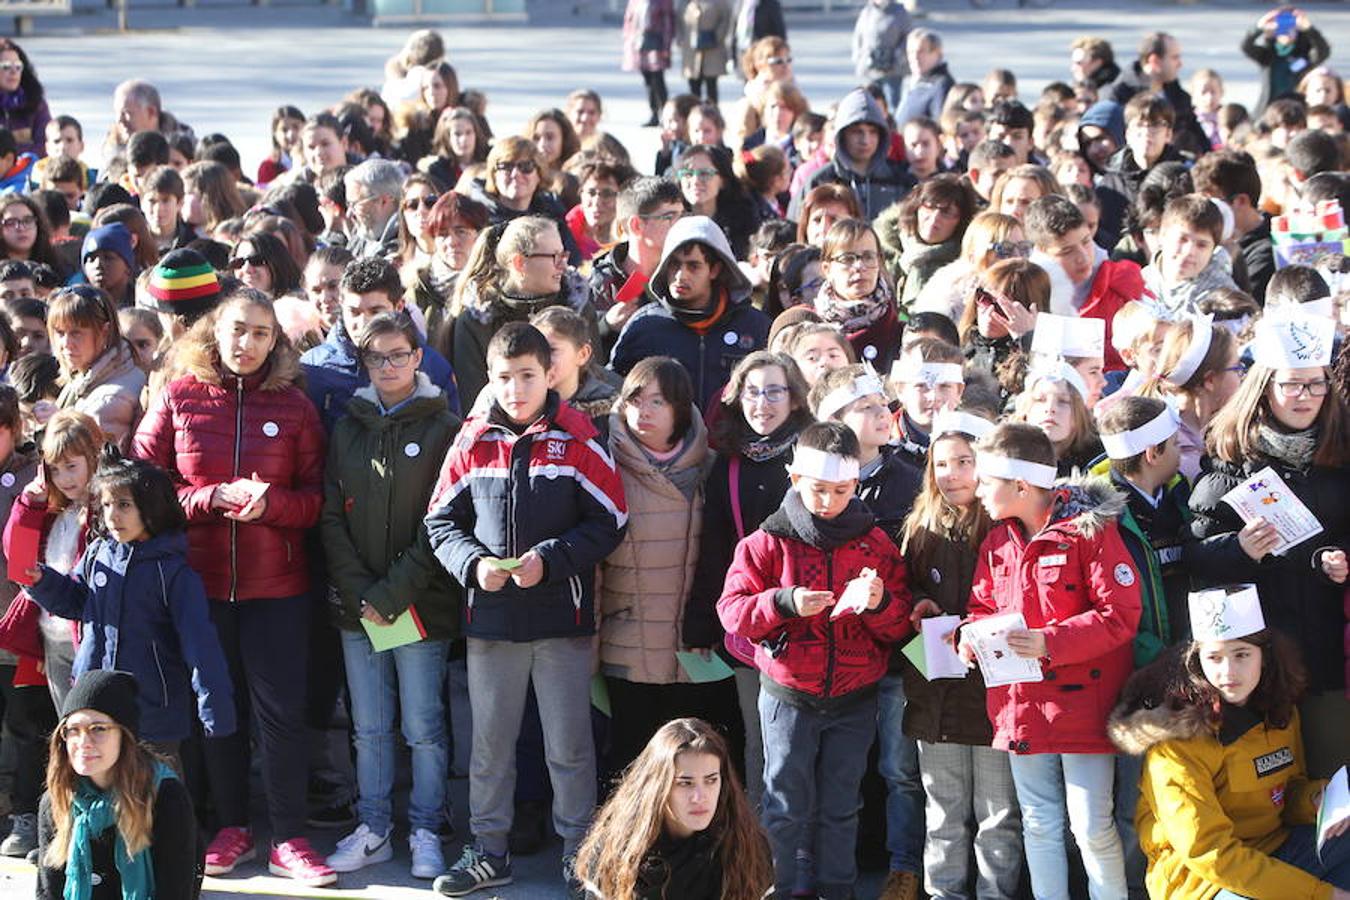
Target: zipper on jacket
(829, 626)
(234, 523)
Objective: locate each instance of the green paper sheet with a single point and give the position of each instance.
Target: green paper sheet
(700, 670)
(507, 565)
(600, 694)
(914, 652)
(406, 629)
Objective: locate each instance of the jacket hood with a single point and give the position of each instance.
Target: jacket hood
(694, 452)
(170, 544)
(1087, 503)
(494, 304)
(1108, 116)
(426, 399)
(859, 106)
(556, 415)
(1152, 708)
(701, 230)
(198, 355)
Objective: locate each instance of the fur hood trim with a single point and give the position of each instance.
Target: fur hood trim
(1087, 503)
(198, 355)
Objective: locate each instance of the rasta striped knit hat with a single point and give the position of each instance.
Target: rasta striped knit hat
(183, 283)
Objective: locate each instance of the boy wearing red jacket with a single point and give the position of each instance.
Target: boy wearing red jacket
(822, 592)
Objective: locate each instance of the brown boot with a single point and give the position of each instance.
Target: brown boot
(900, 886)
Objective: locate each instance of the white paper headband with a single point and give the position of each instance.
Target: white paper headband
(908, 370)
(837, 399)
(1289, 338)
(1202, 335)
(1125, 444)
(1057, 370)
(812, 463)
(1221, 615)
(951, 421)
(1032, 473)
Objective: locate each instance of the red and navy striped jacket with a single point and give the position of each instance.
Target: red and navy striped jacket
(553, 489)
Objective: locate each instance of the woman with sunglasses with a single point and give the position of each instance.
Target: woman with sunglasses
(23, 104)
(516, 269)
(999, 318)
(711, 188)
(262, 262)
(415, 246)
(1289, 415)
(116, 820)
(514, 184)
(989, 238)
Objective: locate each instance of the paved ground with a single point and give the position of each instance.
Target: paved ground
(226, 69)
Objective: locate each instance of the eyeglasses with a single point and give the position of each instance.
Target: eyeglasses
(399, 359)
(559, 258)
(773, 394)
(1292, 390)
(9, 68)
(779, 60)
(255, 260)
(523, 166)
(1011, 249)
(699, 174)
(23, 223)
(96, 731)
(867, 259)
(427, 201)
(944, 209)
(601, 193)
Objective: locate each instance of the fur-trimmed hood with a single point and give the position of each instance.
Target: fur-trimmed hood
(198, 355)
(1153, 707)
(1087, 503)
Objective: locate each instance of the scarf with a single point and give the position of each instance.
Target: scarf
(827, 534)
(1293, 448)
(770, 445)
(853, 316)
(441, 278)
(700, 321)
(685, 478)
(93, 812)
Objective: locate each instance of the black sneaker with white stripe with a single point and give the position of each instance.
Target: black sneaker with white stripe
(475, 869)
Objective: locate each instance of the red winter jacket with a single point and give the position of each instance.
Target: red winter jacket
(1076, 582)
(817, 656)
(1114, 285)
(207, 429)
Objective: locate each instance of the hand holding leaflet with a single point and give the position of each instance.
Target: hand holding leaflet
(1333, 813)
(1266, 496)
(931, 650)
(999, 663)
(857, 596)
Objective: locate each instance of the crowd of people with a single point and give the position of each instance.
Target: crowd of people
(639, 500)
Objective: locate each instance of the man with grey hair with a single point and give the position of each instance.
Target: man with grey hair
(137, 107)
(928, 82)
(374, 189)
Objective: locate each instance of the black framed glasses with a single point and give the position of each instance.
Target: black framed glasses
(523, 166)
(427, 201)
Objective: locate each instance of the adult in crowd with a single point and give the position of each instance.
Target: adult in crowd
(513, 185)
(374, 191)
(711, 189)
(879, 38)
(452, 226)
(23, 101)
(928, 81)
(648, 32)
(861, 158)
(246, 446)
(98, 369)
(1156, 72)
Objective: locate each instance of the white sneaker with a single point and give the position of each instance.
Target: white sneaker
(362, 848)
(427, 859)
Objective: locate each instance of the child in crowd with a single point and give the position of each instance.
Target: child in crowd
(525, 549)
(1054, 399)
(1078, 342)
(926, 378)
(573, 374)
(141, 607)
(1188, 265)
(1136, 335)
(817, 348)
(821, 591)
(1055, 556)
(161, 200)
(1199, 370)
(144, 332)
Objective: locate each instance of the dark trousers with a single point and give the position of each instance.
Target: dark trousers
(266, 644)
(704, 88)
(641, 709)
(656, 91)
(28, 721)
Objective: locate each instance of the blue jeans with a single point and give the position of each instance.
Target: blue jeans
(815, 760)
(898, 764)
(405, 681)
(1049, 785)
(1300, 850)
(1128, 770)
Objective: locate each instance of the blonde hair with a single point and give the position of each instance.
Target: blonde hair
(1083, 430)
(1029, 172)
(1132, 323)
(984, 231)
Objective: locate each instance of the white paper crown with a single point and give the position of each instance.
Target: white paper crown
(1322, 306)
(1225, 614)
(1068, 336)
(812, 463)
(1125, 444)
(1289, 338)
(1054, 369)
(1202, 335)
(952, 421)
(911, 369)
(837, 399)
(1033, 473)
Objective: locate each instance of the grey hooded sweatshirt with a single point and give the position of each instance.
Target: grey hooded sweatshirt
(882, 181)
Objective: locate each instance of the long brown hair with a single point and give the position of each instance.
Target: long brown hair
(731, 433)
(1083, 437)
(610, 858)
(933, 521)
(1233, 432)
(1283, 678)
(69, 433)
(133, 793)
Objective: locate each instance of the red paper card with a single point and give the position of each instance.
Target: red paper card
(632, 288)
(23, 553)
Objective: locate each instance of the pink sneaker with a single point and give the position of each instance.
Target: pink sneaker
(297, 859)
(229, 848)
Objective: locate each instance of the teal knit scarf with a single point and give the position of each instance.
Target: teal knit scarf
(92, 812)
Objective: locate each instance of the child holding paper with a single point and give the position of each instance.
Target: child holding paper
(382, 463)
(141, 607)
(528, 503)
(968, 783)
(1287, 415)
(1055, 557)
(1227, 809)
(821, 591)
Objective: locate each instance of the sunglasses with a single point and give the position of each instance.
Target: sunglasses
(427, 201)
(254, 260)
(523, 166)
(10, 68)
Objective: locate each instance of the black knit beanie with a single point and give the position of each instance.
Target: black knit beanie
(109, 692)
